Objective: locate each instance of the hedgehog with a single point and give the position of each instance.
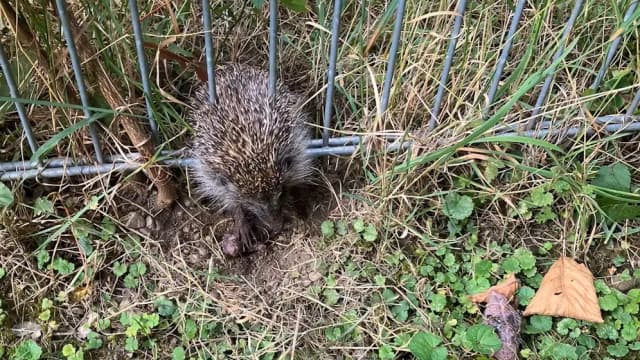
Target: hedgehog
(249, 152)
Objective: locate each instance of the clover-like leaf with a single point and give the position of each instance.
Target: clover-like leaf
(426, 346)
(458, 207)
(482, 339)
(6, 196)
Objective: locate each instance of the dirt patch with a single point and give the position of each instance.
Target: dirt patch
(188, 236)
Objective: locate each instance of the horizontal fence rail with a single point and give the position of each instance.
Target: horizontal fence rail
(537, 126)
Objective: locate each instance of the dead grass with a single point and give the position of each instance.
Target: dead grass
(279, 301)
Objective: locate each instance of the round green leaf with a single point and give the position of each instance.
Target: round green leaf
(458, 207)
(482, 339)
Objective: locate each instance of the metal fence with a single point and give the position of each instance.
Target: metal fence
(60, 167)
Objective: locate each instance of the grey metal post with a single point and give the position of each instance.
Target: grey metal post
(547, 81)
(273, 51)
(142, 64)
(208, 46)
(77, 71)
(393, 53)
(13, 90)
(504, 54)
(462, 4)
(613, 49)
(331, 77)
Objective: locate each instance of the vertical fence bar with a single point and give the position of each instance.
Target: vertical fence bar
(634, 104)
(333, 56)
(502, 60)
(208, 46)
(75, 62)
(547, 81)
(273, 44)
(613, 49)
(142, 64)
(391, 64)
(462, 4)
(13, 91)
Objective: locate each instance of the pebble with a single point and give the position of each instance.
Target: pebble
(315, 276)
(28, 329)
(151, 224)
(306, 283)
(203, 252)
(134, 220)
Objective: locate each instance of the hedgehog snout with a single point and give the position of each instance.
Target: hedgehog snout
(268, 212)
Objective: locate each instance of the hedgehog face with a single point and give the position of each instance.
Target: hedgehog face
(266, 209)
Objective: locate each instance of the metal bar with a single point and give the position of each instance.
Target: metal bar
(142, 63)
(13, 91)
(331, 77)
(273, 51)
(447, 63)
(77, 71)
(547, 81)
(208, 47)
(609, 123)
(502, 60)
(613, 49)
(634, 104)
(625, 127)
(391, 64)
(345, 140)
(67, 162)
(515, 127)
(131, 166)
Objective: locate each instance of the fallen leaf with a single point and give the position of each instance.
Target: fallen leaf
(566, 290)
(507, 288)
(80, 293)
(506, 320)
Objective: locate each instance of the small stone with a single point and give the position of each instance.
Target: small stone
(187, 202)
(28, 329)
(208, 238)
(306, 283)
(83, 331)
(315, 276)
(134, 220)
(193, 259)
(203, 251)
(151, 224)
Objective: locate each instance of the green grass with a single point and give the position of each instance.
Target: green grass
(387, 272)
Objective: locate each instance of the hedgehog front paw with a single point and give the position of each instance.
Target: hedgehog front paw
(230, 245)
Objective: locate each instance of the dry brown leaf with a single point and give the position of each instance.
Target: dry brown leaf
(566, 290)
(80, 293)
(507, 288)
